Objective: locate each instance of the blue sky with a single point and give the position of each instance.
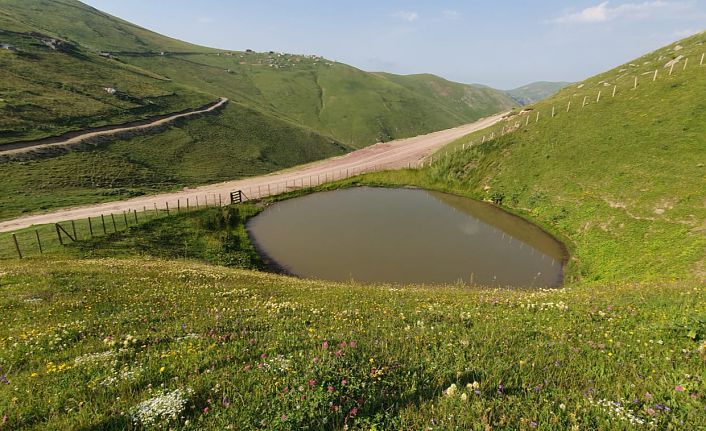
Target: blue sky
(504, 44)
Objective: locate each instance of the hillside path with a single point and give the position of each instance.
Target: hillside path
(73, 138)
(397, 154)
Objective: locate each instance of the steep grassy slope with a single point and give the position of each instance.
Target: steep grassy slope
(75, 21)
(349, 105)
(535, 91)
(623, 177)
(47, 91)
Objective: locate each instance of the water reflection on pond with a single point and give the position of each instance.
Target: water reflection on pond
(405, 236)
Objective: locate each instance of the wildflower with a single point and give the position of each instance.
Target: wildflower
(648, 396)
(473, 386)
(163, 407)
(464, 397)
(353, 412)
(339, 353)
(331, 388)
(324, 345)
(161, 370)
(283, 417)
(205, 410)
(343, 382)
(451, 390)
(3, 379)
(353, 344)
(312, 382)
(533, 424)
(501, 389)
(34, 375)
(679, 388)
(562, 406)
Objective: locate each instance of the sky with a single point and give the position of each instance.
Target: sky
(501, 43)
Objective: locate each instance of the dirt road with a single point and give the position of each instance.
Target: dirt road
(74, 138)
(384, 156)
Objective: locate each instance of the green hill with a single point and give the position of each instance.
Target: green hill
(622, 177)
(535, 91)
(108, 343)
(351, 106)
(284, 109)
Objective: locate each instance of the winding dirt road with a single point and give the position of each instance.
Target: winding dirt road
(384, 156)
(73, 138)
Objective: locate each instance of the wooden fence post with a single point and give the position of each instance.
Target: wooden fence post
(73, 228)
(220, 200)
(197, 202)
(58, 233)
(167, 207)
(90, 227)
(178, 205)
(39, 241)
(115, 226)
(654, 78)
(125, 217)
(105, 232)
(17, 245)
(187, 204)
(615, 88)
(135, 212)
(635, 86)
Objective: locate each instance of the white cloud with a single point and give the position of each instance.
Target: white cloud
(603, 12)
(406, 15)
(451, 14)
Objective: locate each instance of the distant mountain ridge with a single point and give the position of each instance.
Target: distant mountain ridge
(535, 91)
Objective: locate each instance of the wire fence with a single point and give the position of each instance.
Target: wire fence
(627, 82)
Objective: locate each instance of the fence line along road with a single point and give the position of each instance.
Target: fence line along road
(402, 153)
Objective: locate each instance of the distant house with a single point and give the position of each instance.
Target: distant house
(8, 47)
(110, 90)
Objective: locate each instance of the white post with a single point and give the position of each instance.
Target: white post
(584, 101)
(552, 112)
(702, 59)
(615, 88)
(502, 133)
(635, 83)
(527, 122)
(685, 63)
(568, 106)
(537, 120)
(654, 78)
(598, 98)
(671, 69)
(483, 141)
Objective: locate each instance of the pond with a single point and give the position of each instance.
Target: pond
(405, 236)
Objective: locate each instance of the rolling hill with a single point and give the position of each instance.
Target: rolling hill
(351, 106)
(72, 66)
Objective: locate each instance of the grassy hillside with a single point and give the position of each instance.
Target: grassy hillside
(347, 104)
(47, 92)
(238, 142)
(623, 178)
(535, 91)
(116, 344)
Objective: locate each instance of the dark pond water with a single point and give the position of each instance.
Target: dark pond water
(405, 236)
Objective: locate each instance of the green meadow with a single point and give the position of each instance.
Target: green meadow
(173, 321)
